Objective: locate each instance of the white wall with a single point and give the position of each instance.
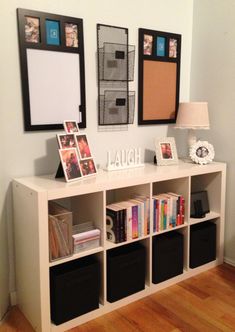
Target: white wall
(36, 153)
(213, 80)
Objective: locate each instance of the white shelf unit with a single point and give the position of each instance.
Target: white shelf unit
(87, 198)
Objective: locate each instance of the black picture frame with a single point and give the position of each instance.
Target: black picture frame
(159, 77)
(32, 48)
(199, 204)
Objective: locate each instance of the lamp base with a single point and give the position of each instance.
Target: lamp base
(191, 137)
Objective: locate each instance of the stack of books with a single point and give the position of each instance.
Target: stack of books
(85, 236)
(168, 211)
(127, 220)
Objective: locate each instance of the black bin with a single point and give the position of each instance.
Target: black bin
(167, 256)
(125, 271)
(74, 288)
(202, 243)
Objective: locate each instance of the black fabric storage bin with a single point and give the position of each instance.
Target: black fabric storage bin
(202, 243)
(167, 256)
(125, 271)
(74, 288)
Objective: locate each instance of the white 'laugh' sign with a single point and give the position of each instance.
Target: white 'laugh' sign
(123, 159)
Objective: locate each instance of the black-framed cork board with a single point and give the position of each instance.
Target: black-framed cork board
(159, 76)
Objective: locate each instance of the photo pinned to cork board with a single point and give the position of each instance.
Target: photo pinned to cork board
(166, 153)
(159, 77)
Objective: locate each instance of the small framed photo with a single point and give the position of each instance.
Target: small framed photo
(166, 153)
(172, 48)
(32, 29)
(66, 141)
(71, 35)
(202, 152)
(83, 146)
(71, 126)
(148, 44)
(70, 163)
(88, 166)
(52, 32)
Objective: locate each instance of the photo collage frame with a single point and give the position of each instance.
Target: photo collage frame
(159, 76)
(49, 43)
(75, 153)
(33, 31)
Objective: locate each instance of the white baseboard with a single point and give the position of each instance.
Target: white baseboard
(13, 298)
(229, 261)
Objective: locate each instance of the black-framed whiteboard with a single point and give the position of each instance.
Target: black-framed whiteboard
(52, 69)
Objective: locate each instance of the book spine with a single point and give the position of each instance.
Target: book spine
(154, 215)
(148, 216)
(162, 214)
(182, 209)
(139, 220)
(122, 215)
(112, 226)
(134, 222)
(129, 223)
(142, 210)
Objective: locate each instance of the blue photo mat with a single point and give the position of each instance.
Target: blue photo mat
(52, 32)
(161, 46)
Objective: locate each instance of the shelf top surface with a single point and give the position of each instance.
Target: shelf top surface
(108, 180)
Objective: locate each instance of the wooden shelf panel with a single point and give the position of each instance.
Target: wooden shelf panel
(111, 245)
(209, 216)
(76, 256)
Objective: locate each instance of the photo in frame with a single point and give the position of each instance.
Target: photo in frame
(88, 167)
(66, 141)
(53, 32)
(166, 153)
(32, 29)
(71, 35)
(202, 152)
(70, 164)
(159, 76)
(148, 44)
(83, 146)
(70, 126)
(50, 53)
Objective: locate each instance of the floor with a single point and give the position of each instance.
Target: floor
(204, 303)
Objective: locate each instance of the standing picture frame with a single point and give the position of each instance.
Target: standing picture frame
(166, 153)
(52, 69)
(202, 152)
(159, 77)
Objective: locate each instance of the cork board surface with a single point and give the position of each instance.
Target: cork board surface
(159, 90)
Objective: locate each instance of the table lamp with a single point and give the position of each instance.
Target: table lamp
(191, 116)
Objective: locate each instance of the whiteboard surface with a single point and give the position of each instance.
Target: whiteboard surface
(54, 86)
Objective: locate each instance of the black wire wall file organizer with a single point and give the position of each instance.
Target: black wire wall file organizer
(116, 104)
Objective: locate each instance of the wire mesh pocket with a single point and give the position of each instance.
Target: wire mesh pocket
(116, 62)
(116, 107)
